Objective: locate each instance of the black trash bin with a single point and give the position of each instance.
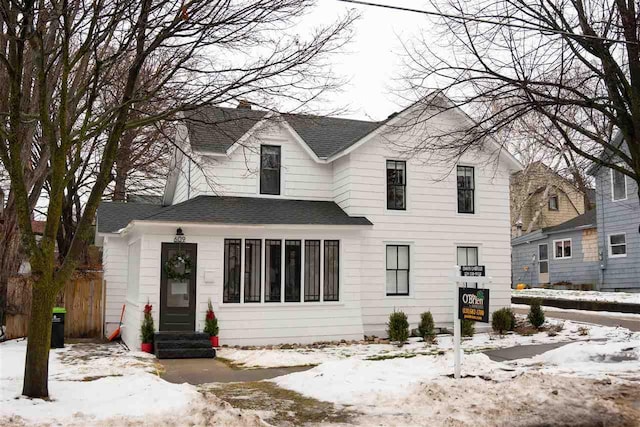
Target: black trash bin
(57, 327)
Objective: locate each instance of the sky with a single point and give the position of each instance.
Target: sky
(372, 61)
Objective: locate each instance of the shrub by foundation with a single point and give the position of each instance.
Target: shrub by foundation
(398, 327)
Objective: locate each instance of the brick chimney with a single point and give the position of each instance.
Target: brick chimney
(243, 104)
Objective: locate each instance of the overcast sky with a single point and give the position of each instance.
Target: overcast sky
(373, 61)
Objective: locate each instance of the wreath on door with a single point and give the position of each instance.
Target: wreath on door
(178, 267)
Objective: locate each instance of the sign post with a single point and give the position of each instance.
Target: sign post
(468, 303)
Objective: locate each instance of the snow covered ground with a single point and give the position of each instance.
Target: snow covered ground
(624, 297)
(572, 331)
(104, 385)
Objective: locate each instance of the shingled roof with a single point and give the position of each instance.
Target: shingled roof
(228, 210)
(215, 129)
(586, 220)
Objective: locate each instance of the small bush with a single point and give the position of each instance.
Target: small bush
(468, 328)
(398, 327)
(503, 320)
(426, 328)
(147, 328)
(536, 315)
(583, 330)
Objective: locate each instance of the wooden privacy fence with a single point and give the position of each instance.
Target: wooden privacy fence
(81, 296)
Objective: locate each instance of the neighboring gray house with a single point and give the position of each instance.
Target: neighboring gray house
(618, 221)
(567, 252)
(603, 244)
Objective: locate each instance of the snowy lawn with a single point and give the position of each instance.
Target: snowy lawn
(101, 384)
(263, 358)
(624, 297)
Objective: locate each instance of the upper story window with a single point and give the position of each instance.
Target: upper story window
(466, 190)
(618, 185)
(396, 185)
(562, 249)
(617, 245)
(270, 169)
(467, 255)
(553, 203)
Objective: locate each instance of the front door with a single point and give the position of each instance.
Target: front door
(178, 287)
(543, 263)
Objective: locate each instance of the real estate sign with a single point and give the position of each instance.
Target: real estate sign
(472, 270)
(473, 304)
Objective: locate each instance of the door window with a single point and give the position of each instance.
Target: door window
(543, 258)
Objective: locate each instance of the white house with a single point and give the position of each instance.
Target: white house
(303, 228)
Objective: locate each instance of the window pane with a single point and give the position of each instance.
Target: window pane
(543, 252)
(617, 239)
(231, 287)
(558, 252)
(293, 269)
(392, 257)
(619, 249)
(312, 270)
(331, 270)
(178, 293)
(252, 269)
(619, 185)
(391, 282)
(544, 267)
(403, 281)
(396, 184)
(403, 257)
(567, 248)
(273, 265)
(269, 169)
(553, 203)
(466, 185)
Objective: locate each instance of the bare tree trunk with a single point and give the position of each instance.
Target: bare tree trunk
(36, 368)
(120, 184)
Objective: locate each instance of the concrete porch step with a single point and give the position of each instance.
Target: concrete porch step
(185, 353)
(180, 336)
(178, 344)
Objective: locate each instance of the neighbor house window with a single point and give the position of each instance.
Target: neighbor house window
(618, 185)
(272, 265)
(292, 270)
(553, 203)
(252, 269)
(617, 245)
(466, 190)
(331, 270)
(232, 259)
(467, 255)
(562, 249)
(312, 270)
(396, 185)
(269, 169)
(397, 270)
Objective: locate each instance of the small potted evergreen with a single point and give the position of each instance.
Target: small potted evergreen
(146, 330)
(211, 326)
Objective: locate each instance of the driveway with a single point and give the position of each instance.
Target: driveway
(629, 321)
(204, 371)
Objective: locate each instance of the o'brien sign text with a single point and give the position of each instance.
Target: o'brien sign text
(473, 304)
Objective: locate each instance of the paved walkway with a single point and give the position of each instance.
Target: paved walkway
(522, 351)
(631, 322)
(203, 371)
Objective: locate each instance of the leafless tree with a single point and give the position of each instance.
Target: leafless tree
(57, 57)
(570, 67)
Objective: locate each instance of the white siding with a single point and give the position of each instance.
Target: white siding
(115, 260)
(239, 174)
(431, 226)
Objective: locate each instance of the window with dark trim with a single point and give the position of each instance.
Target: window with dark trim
(273, 266)
(466, 189)
(397, 270)
(232, 259)
(270, 169)
(292, 270)
(252, 269)
(553, 203)
(311, 270)
(331, 270)
(396, 185)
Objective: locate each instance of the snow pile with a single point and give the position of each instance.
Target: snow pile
(623, 297)
(367, 382)
(92, 383)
